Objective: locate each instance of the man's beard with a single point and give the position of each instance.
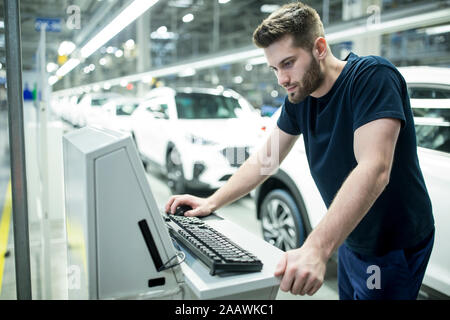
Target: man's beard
(312, 80)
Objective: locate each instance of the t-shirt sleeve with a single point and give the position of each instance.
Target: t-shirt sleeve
(377, 93)
(288, 119)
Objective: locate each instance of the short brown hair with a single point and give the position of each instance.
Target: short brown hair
(297, 19)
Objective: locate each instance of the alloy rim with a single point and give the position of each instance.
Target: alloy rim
(278, 225)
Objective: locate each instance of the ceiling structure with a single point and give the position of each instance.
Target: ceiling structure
(218, 26)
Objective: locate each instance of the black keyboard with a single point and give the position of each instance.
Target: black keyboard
(214, 249)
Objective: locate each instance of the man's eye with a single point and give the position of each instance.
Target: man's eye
(288, 64)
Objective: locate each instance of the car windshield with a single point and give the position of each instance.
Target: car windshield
(205, 106)
(126, 109)
(98, 102)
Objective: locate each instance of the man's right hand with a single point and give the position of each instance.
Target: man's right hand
(200, 206)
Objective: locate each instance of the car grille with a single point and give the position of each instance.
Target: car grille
(236, 155)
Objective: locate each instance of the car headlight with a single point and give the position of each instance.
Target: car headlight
(199, 140)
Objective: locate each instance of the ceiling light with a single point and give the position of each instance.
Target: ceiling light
(188, 18)
(127, 16)
(238, 80)
(188, 72)
(180, 3)
(67, 67)
(162, 29)
(51, 67)
(147, 79)
(119, 53)
(129, 44)
(223, 1)
(102, 61)
(389, 26)
(66, 48)
(269, 8)
(52, 80)
(258, 60)
(438, 30)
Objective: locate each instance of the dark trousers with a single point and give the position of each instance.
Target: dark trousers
(397, 275)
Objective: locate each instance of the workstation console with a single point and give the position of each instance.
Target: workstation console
(121, 246)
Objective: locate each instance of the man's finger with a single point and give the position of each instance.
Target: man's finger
(281, 266)
(175, 204)
(309, 284)
(299, 283)
(286, 281)
(169, 203)
(315, 288)
(191, 213)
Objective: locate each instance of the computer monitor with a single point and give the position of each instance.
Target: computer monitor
(116, 236)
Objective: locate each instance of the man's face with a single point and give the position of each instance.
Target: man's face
(296, 69)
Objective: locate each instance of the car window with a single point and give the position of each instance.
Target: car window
(80, 97)
(428, 93)
(98, 102)
(433, 128)
(126, 109)
(158, 110)
(205, 106)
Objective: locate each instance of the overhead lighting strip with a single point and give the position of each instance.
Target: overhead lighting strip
(417, 21)
(127, 16)
(123, 19)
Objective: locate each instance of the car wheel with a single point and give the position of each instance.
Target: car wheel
(282, 224)
(175, 172)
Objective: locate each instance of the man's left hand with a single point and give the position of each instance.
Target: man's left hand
(302, 270)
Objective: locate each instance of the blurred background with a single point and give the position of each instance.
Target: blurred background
(185, 80)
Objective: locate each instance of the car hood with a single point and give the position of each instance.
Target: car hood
(238, 132)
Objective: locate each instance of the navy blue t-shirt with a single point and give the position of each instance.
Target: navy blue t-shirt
(367, 89)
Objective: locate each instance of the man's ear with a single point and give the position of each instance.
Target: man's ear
(320, 49)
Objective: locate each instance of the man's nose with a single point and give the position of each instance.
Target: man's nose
(283, 78)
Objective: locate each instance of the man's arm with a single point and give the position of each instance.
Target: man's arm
(303, 269)
(257, 168)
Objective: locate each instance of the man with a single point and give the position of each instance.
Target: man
(359, 137)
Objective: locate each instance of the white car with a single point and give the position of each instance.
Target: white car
(89, 109)
(198, 137)
(290, 206)
(115, 114)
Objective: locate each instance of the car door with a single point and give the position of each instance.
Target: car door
(432, 121)
(153, 128)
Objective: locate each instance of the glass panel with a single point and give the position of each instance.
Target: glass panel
(205, 106)
(126, 109)
(428, 93)
(433, 128)
(7, 263)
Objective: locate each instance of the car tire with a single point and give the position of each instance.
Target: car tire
(281, 220)
(175, 173)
